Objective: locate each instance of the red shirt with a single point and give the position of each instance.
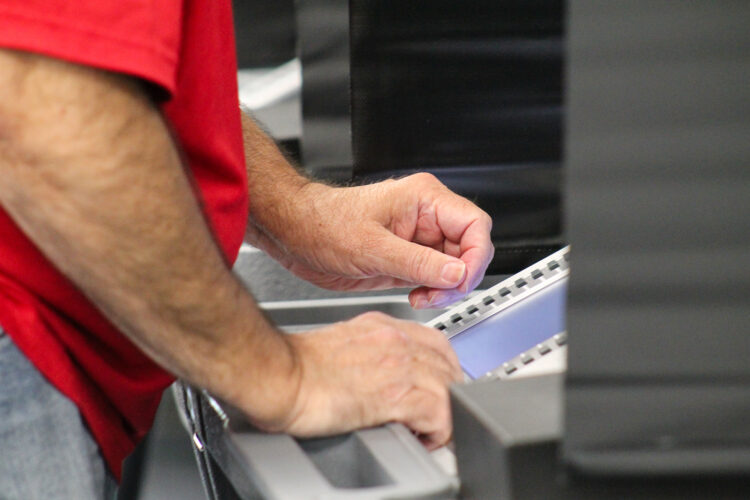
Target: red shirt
(187, 48)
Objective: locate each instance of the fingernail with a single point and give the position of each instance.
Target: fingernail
(431, 301)
(420, 303)
(453, 272)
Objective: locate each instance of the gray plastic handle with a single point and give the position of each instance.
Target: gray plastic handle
(385, 462)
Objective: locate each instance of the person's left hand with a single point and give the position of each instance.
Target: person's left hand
(410, 232)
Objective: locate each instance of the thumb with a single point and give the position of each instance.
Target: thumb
(418, 264)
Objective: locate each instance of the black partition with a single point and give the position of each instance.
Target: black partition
(265, 32)
(445, 83)
(323, 49)
(472, 92)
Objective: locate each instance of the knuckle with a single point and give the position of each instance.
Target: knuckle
(394, 392)
(440, 338)
(424, 180)
(442, 343)
(373, 316)
(486, 219)
(427, 177)
(392, 336)
(394, 362)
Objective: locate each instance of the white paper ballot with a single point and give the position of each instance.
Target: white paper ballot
(518, 323)
(503, 336)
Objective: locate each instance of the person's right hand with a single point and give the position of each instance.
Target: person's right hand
(371, 370)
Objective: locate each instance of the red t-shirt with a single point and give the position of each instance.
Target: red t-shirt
(187, 48)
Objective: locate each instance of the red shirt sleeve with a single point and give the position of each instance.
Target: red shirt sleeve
(136, 37)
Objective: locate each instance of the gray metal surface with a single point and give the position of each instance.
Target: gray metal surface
(301, 315)
(386, 462)
(658, 215)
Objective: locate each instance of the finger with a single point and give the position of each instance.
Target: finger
(425, 341)
(442, 368)
(425, 297)
(463, 222)
(415, 263)
(474, 248)
(360, 284)
(438, 343)
(442, 298)
(477, 259)
(451, 248)
(441, 436)
(476, 251)
(426, 411)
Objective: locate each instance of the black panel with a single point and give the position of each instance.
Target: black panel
(658, 215)
(472, 92)
(323, 31)
(455, 83)
(265, 32)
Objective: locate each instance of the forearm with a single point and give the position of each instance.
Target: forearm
(278, 191)
(102, 192)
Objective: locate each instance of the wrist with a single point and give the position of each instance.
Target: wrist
(294, 218)
(268, 391)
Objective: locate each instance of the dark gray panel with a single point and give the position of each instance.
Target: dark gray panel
(682, 439)
(658, 216)
(323, 42)
(504, 433)
(507, 447)
(265, 32)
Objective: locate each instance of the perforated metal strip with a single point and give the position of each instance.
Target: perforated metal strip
(504, 295)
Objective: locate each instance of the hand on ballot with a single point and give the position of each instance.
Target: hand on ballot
(410, 232)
